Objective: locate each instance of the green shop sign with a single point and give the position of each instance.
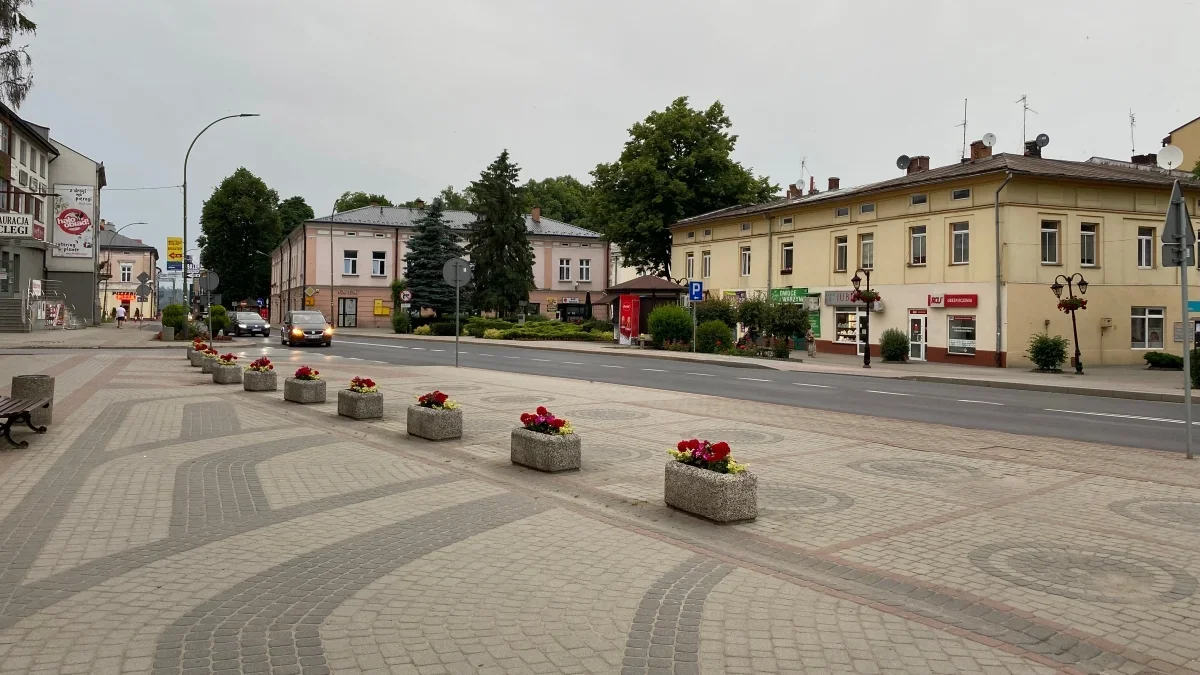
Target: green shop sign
(794, 296)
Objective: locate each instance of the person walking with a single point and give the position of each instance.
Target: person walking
(120, 316)
(810, 341)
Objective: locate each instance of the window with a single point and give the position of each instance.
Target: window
(691, 235)
(585, 269)
(708, 233)
(866, 251)
(43, 168)
(745, 261)
(786, 258)
(126, 271)
(4, 188)
(564, 269)
(37, 209)
(1049, 242)
(917, 199)
(689, 266)
(380, 235)
(916, 236)
(706, 264)
(866, 208)
(378, 263)
(964, 193)
(24, 152)
(1145, 250)
(745, 227)
(351, 234)
(846, 322)
(786, 221)
(1146, 328)
(3, 138)
(841, 211)
(350, 262)
(1087, 244)
(960, 336)
(840, 253)
(960, 243)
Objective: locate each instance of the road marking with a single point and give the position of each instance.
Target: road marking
(819, 386)
(604, 365)
(572, 363)
(511, 357)
(654, 370)
(417, 349)
(967, 400)
(371, 344)
(543, 360)
(701, 374)
(889, 393)
(442, 350)
(753, 379)
(482, 354)
(1127, 417)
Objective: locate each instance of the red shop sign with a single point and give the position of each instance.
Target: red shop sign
(949, 300)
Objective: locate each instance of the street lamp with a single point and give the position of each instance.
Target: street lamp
(1074, 281)
(185, 163)
(108, 262)
(865, 329)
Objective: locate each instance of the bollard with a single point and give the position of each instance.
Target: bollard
(32, 387)
(168, 334)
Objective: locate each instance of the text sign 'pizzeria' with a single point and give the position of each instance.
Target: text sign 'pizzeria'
(951, 300)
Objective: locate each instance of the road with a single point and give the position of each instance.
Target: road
(1140, 424)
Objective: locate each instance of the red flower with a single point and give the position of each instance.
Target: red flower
(557, 423)
(683, 446)
(439, 398)
(693, 444)
(541, 410)
(720, 451)
(526, 418)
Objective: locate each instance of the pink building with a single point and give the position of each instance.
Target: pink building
(343, 265)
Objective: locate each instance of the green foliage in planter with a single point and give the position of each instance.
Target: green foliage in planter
(716, 309)
(173, 316)
(670, 323)
(1047, 352)
(713, 336)
(1163, 360)
(893, 345)
(401, 321)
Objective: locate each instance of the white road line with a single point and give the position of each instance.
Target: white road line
(1127, 417)
(482, 354)
(572, 363)
(371, 344)
(967, 400)
(542, 360)
(753, 379)
(511, 357)
(701, 374)
(654, 370)
(889, 393)
(819, 386)
(442, 350)
(604, 365)
(417, 349)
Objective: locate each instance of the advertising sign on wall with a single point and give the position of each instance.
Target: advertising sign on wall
(795, 296)
(16, 225)
(74, 213)
(631, 310)
(951, 300)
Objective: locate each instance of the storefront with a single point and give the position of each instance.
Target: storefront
(848, 318)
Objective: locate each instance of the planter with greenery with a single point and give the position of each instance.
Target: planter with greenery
(546, 443)
(435, 417)
(209, 361)
(196, 353)
(893, 345)
(670, 324)
(1048, 353)
(219, 318)
(226, 370)
(260, 376)
(362, 400)
(703, 479)
(788, 322)
(756, 316)
(306, 386)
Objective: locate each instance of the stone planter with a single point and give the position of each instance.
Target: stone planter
(434, 424)
(304, 391)
(197, 358)
(360, 406)
(253, 380)
(168, 334)
(32, 388)
(227, 374)
(720, 497)
(545, 452)
(207, 364)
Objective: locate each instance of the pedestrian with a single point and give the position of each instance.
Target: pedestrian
(120, 316)
(137, 315)
(810, 341)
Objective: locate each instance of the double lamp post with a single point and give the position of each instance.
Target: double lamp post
(1074, 281)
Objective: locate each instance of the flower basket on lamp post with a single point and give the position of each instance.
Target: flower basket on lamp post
(260, 376)
(435, 417)
(546, 443)
(704, 480)
(361, 401)
(1070, 305)
(306, 386)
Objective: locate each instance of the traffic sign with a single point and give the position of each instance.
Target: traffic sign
(310, 291)
(260, 302)
(143, 277)
(1178, 225)
(143, 291)
(695, 291)
(1172, 258)
(209, 281)
(457, 272)
(405, 295)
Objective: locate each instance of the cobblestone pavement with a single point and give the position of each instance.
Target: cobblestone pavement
(169, 525)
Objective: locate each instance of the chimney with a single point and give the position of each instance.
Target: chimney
(835, 183)
(812, 185)
(1032, 149)
(979, 150)
(795, 192)
(918, 164)
(1149, 159)
(536, 214)
(420, 203)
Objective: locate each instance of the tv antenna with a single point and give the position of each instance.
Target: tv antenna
(803, 168)
(1132, 144)
(1025, 110)
(963, 155)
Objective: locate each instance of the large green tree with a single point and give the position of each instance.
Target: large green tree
(563, 198)
(292, 212)
(357, 200)
(676, 164)
(432, 244)
(239, 226)
(454, 200)
(16, 66)
(498, 243)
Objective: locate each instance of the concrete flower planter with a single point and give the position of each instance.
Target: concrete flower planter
(359, 406)
(434, 424)
(227, 374)
(253, 380)
(197, 358)
(720, 497)
(546, 452)
(304, 391)
(207, 364)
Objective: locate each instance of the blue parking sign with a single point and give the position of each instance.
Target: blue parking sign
(695, 291)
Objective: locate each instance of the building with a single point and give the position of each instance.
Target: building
(963, 255)
(122, 261)
(77, 181)
(1187, 139)
(344, 264)
(25, 156)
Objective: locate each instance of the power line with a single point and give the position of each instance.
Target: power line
(164, 187)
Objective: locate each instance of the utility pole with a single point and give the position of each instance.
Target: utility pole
(964, 128)
(1025, 110)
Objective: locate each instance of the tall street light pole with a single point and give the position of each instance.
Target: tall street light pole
(869, 299)
(1073, 281)
(185, 163)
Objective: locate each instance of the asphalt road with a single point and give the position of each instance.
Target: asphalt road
(1140, 424)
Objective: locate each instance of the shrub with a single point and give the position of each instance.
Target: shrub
(443, 328)
(781, 349)
(789, 321)
(173, 316)
(476, 325)
(893, 345)
(198, 329)
(219, 318)
(1163, 360)
(535, 318)
(401, 321)
(1046, 352)
(670, 323)
(716, 309)
(757, 316)
(596, 324)
(493, 334)
(552, 330)
(713, 336)
(423, 330)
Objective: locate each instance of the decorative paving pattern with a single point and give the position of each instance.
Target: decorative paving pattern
(1179, 514)
(608, 414)
(518, 399)
(733, 435)
(800, 499)
(917, 469)
(1090, 574)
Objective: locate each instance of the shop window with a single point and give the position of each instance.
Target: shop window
(866, 251)
(564, 269)
(841, 250)
(960, 236)
(689, 266)
(585, 269)
(379, 263)
(1145, 249)
(745, 261)
(350, 263)
(961, 336)
(916, 236)
(786, 258)
(706, 264)
(1049, 242)
(1087, 244)
(846, 320)
(1146, 328)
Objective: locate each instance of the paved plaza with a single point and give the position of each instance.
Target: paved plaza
(169, 525)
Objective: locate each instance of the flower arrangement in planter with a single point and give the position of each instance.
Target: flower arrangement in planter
(305, 386)
(226, 370)
(197, 345)
(210, 360)
(196, 353)
(1068, 305)
(545, 442)
(865, 296)
(702, 478)
(362, 400)
(260, 376)
(435, 417)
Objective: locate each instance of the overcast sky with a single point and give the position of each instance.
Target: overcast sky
(404, 98)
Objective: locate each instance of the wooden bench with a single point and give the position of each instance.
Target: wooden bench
(14, 410)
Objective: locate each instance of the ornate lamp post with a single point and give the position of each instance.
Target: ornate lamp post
(1070, 304)
(867, 296)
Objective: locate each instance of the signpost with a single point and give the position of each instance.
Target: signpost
(695, 294)
(457, 273)
(1179, 238)
(174, 254)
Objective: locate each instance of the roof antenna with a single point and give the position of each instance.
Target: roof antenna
(964, 126)
(1025, 110)
(1132, 144)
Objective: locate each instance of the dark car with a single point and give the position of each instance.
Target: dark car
(248, 323)
(306, 328)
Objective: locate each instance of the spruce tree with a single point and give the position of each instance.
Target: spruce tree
(498, 242)
(432, 244)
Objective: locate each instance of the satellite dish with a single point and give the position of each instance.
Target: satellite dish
(1042, 140)
(799, 183)
(989, 140)
(1170, 157)
(902, 162)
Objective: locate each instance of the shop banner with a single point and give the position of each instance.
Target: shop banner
(174, 254)
(795, 296)
(74, 214)
(814, 322)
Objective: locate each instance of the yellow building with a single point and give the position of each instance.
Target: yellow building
(931, 240)
(1187, 139)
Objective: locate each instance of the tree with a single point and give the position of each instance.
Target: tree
(789, 321)
(456, 201)
(498, 243)
(357, 200)
(239, 225)
(676, 164)
(563, 198)
(292, 212)
(757, 315)
(432, 244)
(16, 66)
(1196, 170)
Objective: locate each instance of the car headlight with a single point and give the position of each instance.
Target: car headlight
(297, 332)
(267, 326)
(329, 331)
(241, 325)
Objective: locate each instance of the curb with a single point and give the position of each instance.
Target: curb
(1051, 388)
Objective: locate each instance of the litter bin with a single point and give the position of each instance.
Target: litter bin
(31, 387)
(168, 334)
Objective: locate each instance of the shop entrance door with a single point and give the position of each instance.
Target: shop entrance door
(347, 313)
(917, 339)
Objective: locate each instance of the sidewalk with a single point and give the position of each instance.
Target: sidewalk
(1132, 382)
(104, 336)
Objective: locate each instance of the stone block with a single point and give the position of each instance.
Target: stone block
(434, 424)
(168, 334)
(359, 406)
(197, 358)
(253, 380)
(304, 391)
(227, 374)
(545, 452)
(34, 387)
(207, 364)
(720, 497)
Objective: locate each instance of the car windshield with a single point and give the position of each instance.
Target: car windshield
(246, 316)
(308, 319)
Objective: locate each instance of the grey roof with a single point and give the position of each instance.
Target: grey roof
(110, 239)
(1018, 164)
(403, 216)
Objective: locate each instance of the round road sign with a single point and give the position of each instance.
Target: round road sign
(456, 272)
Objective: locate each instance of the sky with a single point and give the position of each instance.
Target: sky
(403, 98)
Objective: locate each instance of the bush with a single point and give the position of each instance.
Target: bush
(476, 325)
(443, 328)
(596, 324)
(220, 318)
(423, 330)
(493, 334)
(1048, 353)
(713, 336)
(789, 321)
(670, 323)
(781, 349)
(401, 321)
(535, 318)
(893, 345)
(551, 330)
(173, 316)
(716, 309)
(1163, 360)
(757, 316)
